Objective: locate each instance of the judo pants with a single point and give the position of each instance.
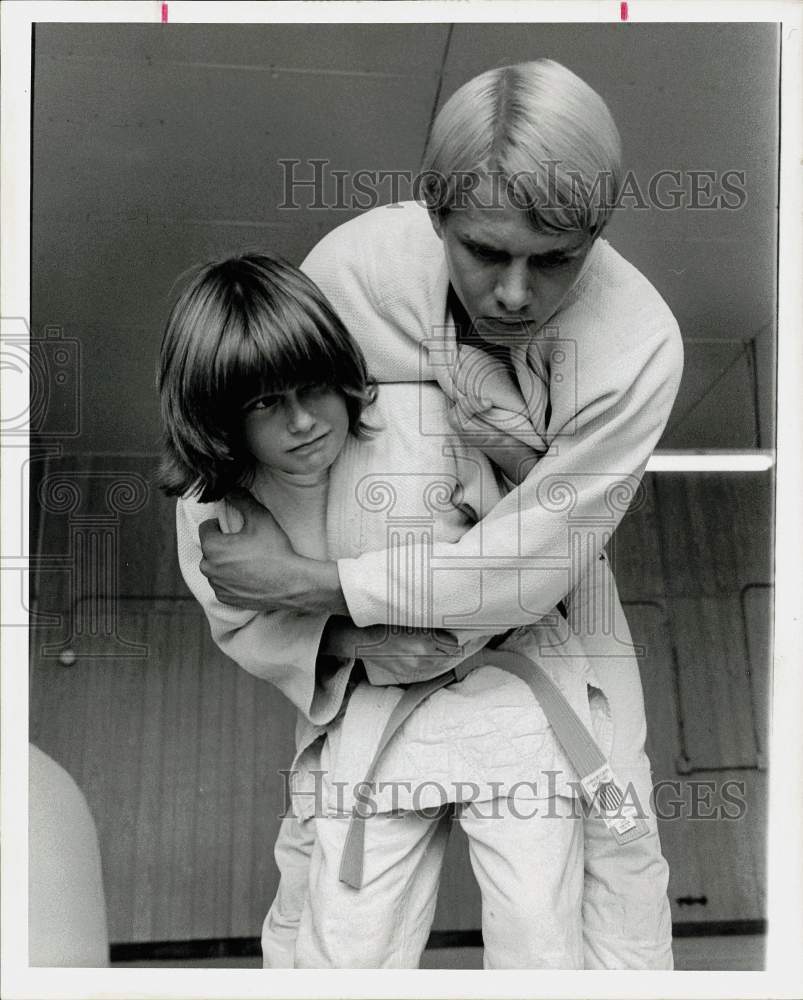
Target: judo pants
(626, 922)
(526, 855)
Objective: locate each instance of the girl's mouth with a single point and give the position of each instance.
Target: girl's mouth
(308, 445)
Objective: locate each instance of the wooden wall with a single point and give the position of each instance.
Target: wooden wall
(178, 750)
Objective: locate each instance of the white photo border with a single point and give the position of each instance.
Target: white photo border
(783, 976)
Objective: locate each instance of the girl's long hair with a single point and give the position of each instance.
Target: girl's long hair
(244, 327)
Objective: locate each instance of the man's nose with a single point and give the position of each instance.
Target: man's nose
(513, 289)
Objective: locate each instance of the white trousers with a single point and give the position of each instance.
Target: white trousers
(624, 915)
(626, 922)
(529, 868)
(293, 852)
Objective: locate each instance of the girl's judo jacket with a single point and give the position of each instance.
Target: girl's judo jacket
(413, 481)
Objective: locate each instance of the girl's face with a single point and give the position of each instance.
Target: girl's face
(300, 432)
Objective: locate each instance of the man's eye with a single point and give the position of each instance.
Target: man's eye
(552, 262)
(486, 253)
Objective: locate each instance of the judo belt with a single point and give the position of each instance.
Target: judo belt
(597, 780)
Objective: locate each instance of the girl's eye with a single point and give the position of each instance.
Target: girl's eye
(263, 403)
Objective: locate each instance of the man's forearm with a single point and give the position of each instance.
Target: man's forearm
(313, 586)
(256, 568)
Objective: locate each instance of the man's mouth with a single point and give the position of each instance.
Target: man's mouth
(512, 330)
(513, 323)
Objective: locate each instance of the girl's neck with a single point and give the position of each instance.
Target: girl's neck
(265, 473)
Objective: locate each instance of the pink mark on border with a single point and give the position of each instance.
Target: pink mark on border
(622, 10)
(164, 13)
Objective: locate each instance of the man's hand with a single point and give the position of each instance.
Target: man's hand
(393, 657)
(257, 568)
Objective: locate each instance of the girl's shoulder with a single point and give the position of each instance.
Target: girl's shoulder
(193, 512)
(410, 408)
(405, 398)
(413, 437)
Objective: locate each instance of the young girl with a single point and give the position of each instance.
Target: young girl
(263, 389)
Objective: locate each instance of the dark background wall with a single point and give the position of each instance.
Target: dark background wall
(156, 147)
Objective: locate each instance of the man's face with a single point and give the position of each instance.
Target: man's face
(510, 278)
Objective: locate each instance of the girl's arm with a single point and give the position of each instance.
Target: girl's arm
(279, 646)
(307, 655)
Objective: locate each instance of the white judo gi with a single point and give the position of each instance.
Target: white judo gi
(611, 359)
(483, 742)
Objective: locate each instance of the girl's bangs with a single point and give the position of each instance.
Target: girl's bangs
(266, 357)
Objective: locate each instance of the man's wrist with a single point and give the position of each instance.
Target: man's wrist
(314, 587)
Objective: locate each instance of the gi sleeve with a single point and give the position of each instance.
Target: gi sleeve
(278, 646)
(531, 549)
(357, 265)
